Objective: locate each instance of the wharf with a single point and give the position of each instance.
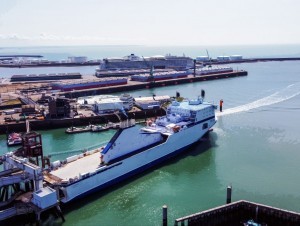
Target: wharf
(132, 85)
(68, 122)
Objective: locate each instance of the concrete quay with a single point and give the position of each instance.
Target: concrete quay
(68, 122)
(147, 85)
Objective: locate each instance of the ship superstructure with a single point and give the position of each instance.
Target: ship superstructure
(158, 62)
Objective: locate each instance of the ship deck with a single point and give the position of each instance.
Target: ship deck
(82, 165)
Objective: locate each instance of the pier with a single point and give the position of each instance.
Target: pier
(147, 85)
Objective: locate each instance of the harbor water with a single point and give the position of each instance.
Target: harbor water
(254, 147)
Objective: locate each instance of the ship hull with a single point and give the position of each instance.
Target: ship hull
(126, 168)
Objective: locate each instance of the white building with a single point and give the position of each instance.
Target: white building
(77, 59)
(127, 101)
(108, 106)
(223, 58)
(150, 102)
(236, 57)
(202, 58)
(107, 103)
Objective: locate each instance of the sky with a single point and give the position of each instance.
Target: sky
(149, 22)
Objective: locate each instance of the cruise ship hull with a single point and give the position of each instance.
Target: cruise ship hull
(137, 163)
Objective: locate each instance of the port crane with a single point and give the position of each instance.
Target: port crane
(151, 70)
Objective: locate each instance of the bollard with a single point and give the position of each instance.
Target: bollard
(194, 68)
(221, 105)
(165, 215)
(60, 213)
(229, 191)
(38, 219)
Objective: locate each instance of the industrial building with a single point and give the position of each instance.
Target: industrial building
(107, 103)
(77, 59)
(223, 58)
(150, 102)
(202, 58)
(59, 107)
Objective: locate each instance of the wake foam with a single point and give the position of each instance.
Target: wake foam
(277, 97)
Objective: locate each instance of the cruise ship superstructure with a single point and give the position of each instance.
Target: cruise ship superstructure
(131, 150)
(158, 62)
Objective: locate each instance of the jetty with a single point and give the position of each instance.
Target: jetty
(133, 85)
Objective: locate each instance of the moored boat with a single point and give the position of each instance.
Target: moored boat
(74, 129)
(98, 128)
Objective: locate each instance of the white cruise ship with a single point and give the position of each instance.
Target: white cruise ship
(131, 150)
(135, 62)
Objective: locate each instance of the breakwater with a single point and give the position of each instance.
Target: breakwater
(253, 60)
(148, 85)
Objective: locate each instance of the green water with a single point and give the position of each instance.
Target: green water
(254, 148)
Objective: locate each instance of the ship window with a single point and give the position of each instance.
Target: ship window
(205, 126)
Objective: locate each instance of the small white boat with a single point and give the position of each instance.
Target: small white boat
(99, 128)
